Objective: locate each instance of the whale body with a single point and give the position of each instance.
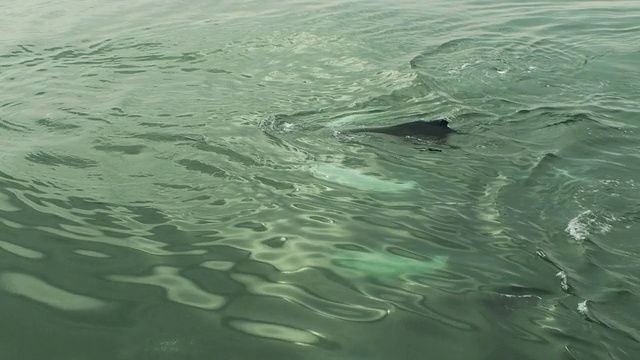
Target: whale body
(358, 179)
(436, 129)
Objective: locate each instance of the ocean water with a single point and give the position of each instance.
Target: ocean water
(176, 181)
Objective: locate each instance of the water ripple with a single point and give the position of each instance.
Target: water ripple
(176, 181)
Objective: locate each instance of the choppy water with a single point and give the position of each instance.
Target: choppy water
(175, 184)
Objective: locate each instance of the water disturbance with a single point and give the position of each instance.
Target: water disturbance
(178, 182)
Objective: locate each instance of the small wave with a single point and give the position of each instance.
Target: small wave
(48, 294)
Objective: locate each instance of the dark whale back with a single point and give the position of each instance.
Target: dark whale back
(419, 128)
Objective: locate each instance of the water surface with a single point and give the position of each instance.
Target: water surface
(175, 181)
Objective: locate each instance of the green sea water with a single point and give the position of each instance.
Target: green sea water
(176, 182)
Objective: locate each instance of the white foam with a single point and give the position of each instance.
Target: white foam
(588, 222)
(564, 280)
(582, 308)
(578, 226)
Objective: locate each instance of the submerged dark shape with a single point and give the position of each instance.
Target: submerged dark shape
(419, 128)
